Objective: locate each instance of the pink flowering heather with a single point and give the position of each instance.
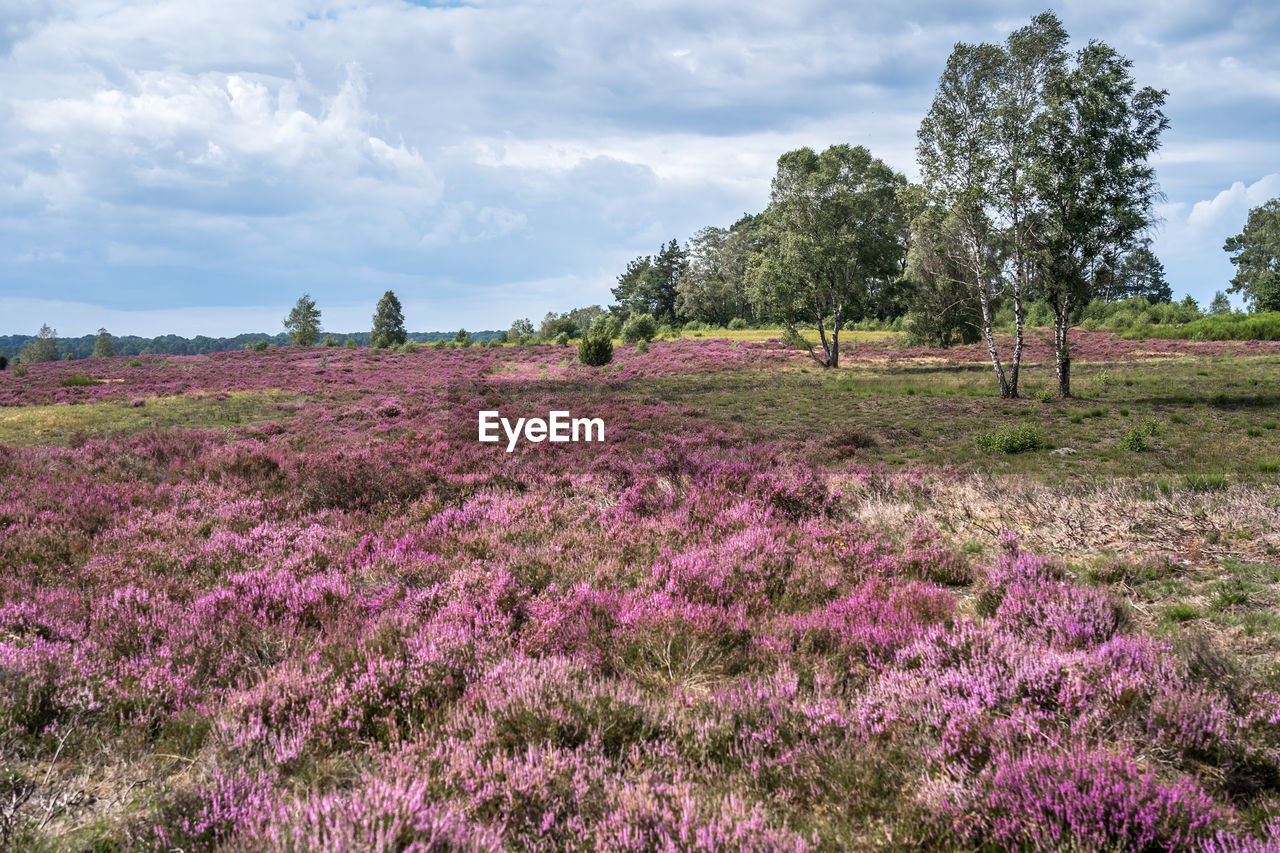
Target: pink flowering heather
(327, 618)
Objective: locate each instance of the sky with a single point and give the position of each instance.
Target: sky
(185, 167)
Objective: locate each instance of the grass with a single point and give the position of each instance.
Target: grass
(1193, 434)
(62, 424)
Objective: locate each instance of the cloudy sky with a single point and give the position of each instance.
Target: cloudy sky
(193, 167)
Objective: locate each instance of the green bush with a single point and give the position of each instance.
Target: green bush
(257, 346)
(4, 362)
(695, 326)
(1010, 439)
(1208, 482)
(350, 344)
(1263, 326)
(78, 380)
(642, 346)
(562, 339)
(440, 344)
(595, 351)
(1133, 440)
(21, 370)
(408, 348)
(639, 327)
(330, 341)
(738, 324)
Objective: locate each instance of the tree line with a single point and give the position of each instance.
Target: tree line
(1035, 204)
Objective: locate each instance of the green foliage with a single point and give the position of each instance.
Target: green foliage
(832, 235)
(21, 370)
(1220, 304)
(595, 350)
(407, 348)
(1227, 327)
(388, 322)
(1010, 439)
(642, 346)
(330, 341)
(562, 339)
(639, 327)
(462, 338)
(44, 347)
(350, 343)
(256, 346)
(4, 362)
(712, 288)
(649, 283)
(738, 324)
(303, 322)
(1257, 257)
(1135, 317)
(608, 326)
(520, 329)
(102, 347)
(78, 380)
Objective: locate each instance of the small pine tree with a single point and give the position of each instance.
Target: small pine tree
(388, 322)
(102, 346)
(303, 322)
(595, 350)
(1220, 304)
(463, 338)
(330, 341)
(351, 343)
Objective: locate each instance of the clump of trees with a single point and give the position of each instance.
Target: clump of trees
(44, 347)
(1036, 200)
(102, 346)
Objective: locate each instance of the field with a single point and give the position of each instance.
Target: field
(287, 601)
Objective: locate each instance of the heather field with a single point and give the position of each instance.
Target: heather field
(286, 601)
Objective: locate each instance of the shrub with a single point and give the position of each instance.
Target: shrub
(78, 380)
(440, 344)
(21, 370)
(737, 324)
(330, 341)
(408, 348)
(257, 346)
(639, 327)
(1010, 439)
(695, 326)
(4, 361)
(642, 346)
(595, 351)
(607, 326)
(463, 338)
(562, 339)
(1133, 440)
(350, 344)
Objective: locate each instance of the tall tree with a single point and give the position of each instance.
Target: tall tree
(712, 289)
(43, 348)
(959, 162)
(303, 322)
(1031, 56)
(832, 235)
(102, 347)
(648, 286)
(388, 322)
(1095, 187)
(1256, 255)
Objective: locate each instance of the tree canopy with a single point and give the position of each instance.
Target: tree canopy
(832, 235)
(303, 322)
(1256, 255)
(388, 322)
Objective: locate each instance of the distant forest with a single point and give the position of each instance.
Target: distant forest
(82, 347)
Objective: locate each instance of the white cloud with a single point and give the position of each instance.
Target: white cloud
(1231, 207)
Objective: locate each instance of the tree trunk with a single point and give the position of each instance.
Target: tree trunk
(1016, 366)
(985, 302)
(1063, 360)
